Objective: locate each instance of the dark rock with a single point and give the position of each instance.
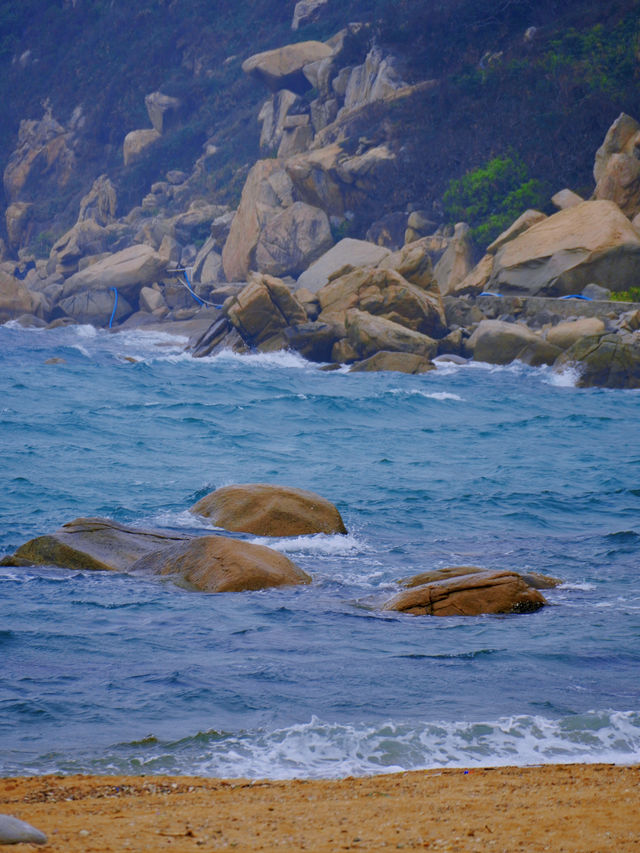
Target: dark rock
(605, 361)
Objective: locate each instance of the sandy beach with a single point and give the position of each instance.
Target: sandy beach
(577, 808)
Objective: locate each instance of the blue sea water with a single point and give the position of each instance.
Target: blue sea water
(503, 467)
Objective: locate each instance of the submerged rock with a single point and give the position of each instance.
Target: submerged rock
(94, 544)
(220, 564)
(267, 510)
(469, 595)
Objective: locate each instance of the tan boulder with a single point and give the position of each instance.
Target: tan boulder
(264, 308)
(400, 362)
(220, 564)
(151, 299)
(522, 223)
(267, 510)
(272, 117)
(384, 293)
(477, 279)
(621, 138)
(566, 198)
(497, 342)
(94, 544)
(620, 183)
(305, 11)
(136, 142)
(267, 191)
(456, 262)
(44, 152)
(413, 262)
(85, 239)
(282, 68)
(591, 242)
(162, 110)
(533, 579)
(566, 334)
(18, 218)
(368, 335)
(101, 203)
(292, 240)
(15, 298)
(345, 255)
(128, 270)
(469, 595)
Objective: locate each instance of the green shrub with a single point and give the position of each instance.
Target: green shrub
(491, 197)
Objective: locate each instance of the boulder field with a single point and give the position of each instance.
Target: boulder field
(217, 563)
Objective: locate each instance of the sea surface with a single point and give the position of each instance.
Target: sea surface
(501, 467)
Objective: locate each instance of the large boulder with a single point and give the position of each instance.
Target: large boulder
(565, 335)
(621, 138)
(497, 342)
(163, 110)
(18, 218)
(606, 361)
(620, 183)
(413, 262)
(519, 226)
(136, 143)
(127, 270)
(100, 203)
(267, 191)
(385, 293)
(293, 239)
(86, 238)
(15, 298)
(221, 564)
(282, 68)
(469, 595)
(591, 242)
(368, 335)
(306, 11)
(347, 254)
(96, 307)
(533, 579)
(456, 262)
(400, 362)
(93, 544)
(267, 510)
(263, 309)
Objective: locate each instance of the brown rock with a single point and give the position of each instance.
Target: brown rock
(566, 334)
(456, 262)
(469, 595)
(605, 361)
(94, 544)
(400, 362)
(413, 262)
(384, 293)
(15, 298)
(497, 342)
(264, 308)
(534, 579)
(220, 564)
(267, 510)
(292, 240)
(127, 270)
(282, 68)
(100, 203)
(521, 224)
(621, 138)
(18, 219)
(620, 183)
(591, 242)
(136, 142)
(345, 256)
(368, 335)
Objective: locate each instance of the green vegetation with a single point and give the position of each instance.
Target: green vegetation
(491, 197)
(631, 295)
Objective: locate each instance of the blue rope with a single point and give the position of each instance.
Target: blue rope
(115, 305)
(189, 288)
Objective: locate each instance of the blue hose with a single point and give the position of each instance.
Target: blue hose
(115, 305)
(190, 289)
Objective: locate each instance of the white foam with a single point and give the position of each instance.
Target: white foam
(336, 545)
(334, 750)
(429, 395)
(566, 378)
(281, 358)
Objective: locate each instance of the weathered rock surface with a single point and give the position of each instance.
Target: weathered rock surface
(620, 183)
(127, 270)
(96, 307)
(621, 138)
(521, 224)
(18, 219)
(564, 335)
(533, 579)
(384, 293)
(348, 253)
(163, 110)
(136, 142)
(400, 362)
(282, 68)
(608, 361)
(413, 262)
(591, 242)
(100, 203)
(456, 262)
(292, 240)
(220, 564)
(267, 510)
(469, 595)
(377, 78)
(93, 544)
(15, 298)
(263, 309)
(566, 198)
(305, 11)
(368, 335)
(497, 342)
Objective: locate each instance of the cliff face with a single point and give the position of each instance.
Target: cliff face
(148, 115)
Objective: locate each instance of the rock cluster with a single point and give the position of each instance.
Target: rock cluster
(218, 563)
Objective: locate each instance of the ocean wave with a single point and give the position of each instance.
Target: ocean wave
(324, 750)
(337, 545)
(263, 360)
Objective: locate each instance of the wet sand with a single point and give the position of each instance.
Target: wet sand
(579, 808)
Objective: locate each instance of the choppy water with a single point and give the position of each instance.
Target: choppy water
(502, 467)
